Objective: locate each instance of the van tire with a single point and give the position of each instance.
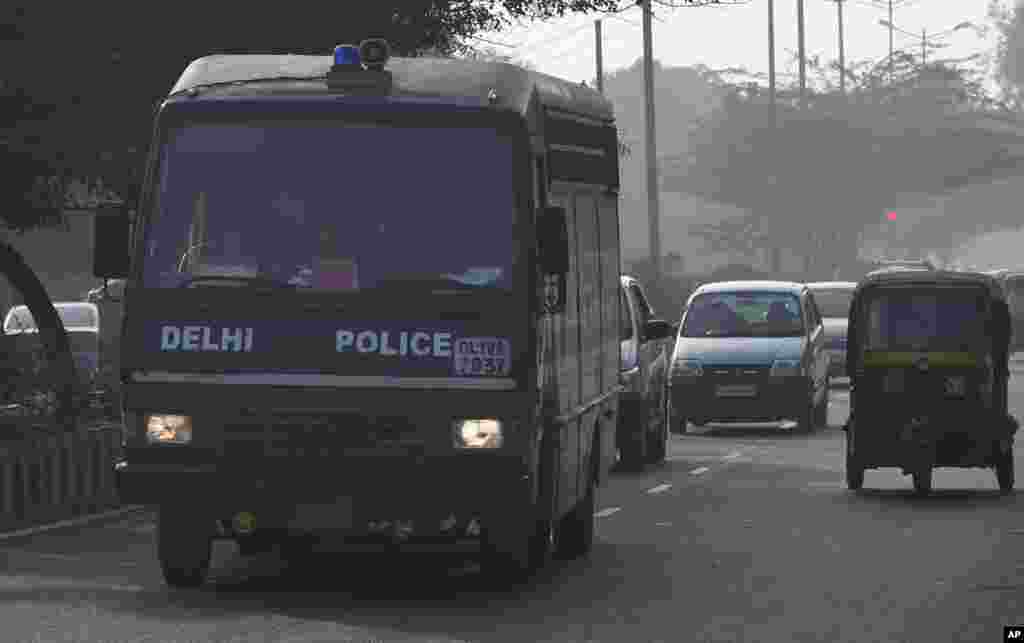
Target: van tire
(576, 528)
(1004, 472)
(184, 546)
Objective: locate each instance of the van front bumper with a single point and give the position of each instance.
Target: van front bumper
(351, 490)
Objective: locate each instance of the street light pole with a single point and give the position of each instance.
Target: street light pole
(924, 52)
(891, 75)
(597, 43)
(842, 58)
(653, 214)
(802, 52)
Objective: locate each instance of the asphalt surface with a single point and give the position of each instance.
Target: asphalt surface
(745, 534)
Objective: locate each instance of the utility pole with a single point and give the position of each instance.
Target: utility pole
(842, 58)
(771, 56)
(649, 142)
(597, 44)
(924, 51)
(891, 73)
(802, 52)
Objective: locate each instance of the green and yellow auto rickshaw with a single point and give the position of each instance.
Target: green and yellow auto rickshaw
(928, 356)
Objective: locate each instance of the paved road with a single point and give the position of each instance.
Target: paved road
(744, 535)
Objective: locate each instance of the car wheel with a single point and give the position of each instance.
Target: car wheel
(808, 417)
(676, 422)
(923, 481)
(657, 445)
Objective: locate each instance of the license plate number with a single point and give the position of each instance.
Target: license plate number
(956, 386)
(483, 356)
(736, 390)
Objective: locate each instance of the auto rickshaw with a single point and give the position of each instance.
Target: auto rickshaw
(928, 356)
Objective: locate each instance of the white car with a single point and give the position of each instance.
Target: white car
(833, 299)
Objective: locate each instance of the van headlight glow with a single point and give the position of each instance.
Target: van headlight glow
(478, 434)
(787, 368)
(168, 429)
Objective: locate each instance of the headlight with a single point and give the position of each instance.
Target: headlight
(168, 429)
(686, 368)
(478, 434)
(787, 368)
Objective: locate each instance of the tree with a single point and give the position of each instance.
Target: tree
(826, 172)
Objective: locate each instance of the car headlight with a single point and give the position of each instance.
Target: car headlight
(478, 434)
(787, 368)
(168, 429)
(687, 368)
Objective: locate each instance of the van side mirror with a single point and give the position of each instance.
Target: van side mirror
(553, 241)
(111, 244)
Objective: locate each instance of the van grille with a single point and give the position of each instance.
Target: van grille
(314, 436)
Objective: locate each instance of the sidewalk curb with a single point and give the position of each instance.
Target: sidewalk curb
(73, 522)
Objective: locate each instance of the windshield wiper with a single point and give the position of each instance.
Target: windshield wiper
(428, 282)
(236, 281)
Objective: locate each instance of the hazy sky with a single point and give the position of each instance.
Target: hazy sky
(737, 35)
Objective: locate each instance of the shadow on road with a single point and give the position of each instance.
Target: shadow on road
(939, 499)
(403, 594)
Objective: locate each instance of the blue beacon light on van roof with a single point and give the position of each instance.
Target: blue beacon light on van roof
(346, 55)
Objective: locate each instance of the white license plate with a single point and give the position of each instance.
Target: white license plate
(736, 390)
(487, 356)
(333, 515)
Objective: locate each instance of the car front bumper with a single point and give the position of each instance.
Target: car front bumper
(703, 399)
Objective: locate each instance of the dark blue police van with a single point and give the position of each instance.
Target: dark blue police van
(370, 301)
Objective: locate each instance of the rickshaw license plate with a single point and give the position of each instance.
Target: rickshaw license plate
(736, 390)
(956, 386)
(331, 515)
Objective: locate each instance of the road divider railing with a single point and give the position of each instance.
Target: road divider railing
(56, 476)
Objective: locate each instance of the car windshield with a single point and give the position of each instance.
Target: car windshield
(73, 315)
(744, 314)
(833, 302)
(916, 320)
(327, 206)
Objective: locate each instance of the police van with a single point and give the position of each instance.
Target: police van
(370, 301)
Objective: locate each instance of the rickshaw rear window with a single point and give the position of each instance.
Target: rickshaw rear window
(918, 320)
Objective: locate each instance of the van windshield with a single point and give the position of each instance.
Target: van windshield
(326, 206)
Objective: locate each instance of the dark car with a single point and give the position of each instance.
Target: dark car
(833, 299)
(642, 430)
(749, 351)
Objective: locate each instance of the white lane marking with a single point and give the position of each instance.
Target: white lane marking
(604, 513)
(659, 488)
(74, 522)
(699, 470)
(662, 524)
(732, 456)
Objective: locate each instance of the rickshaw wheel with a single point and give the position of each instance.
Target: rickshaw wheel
(854, 472)
(1004, 472)
(923, 481)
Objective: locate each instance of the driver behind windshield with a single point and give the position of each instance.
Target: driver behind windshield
(752, 315)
